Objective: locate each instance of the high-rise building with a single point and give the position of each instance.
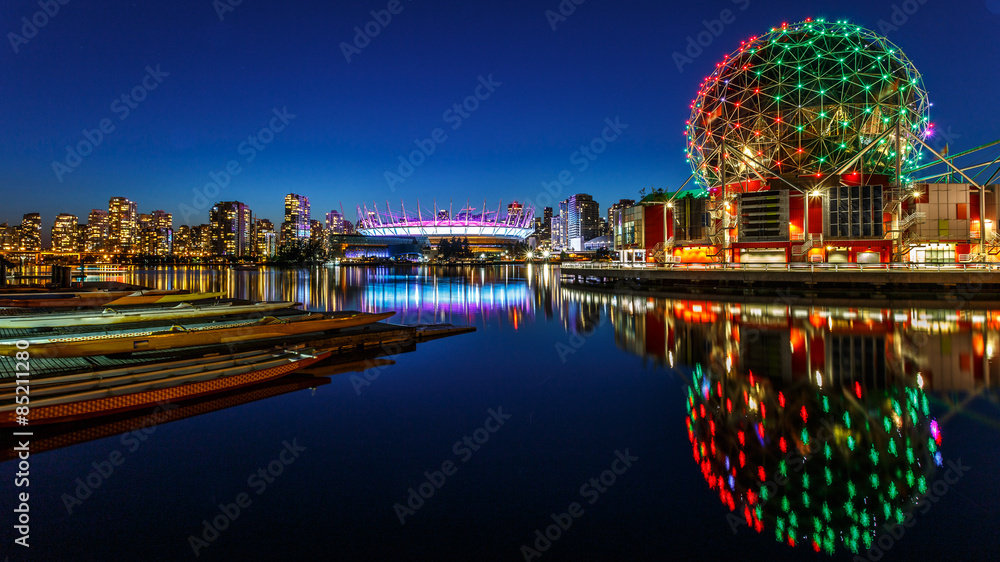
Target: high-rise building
(201, 240)
(123, 226)
(182, 242)
(157, 233)
(546, 233)
(335, 222)
(230, 222)
(614, 211)
(266, 239)
(558, 242)
(316, 232)
(64, 233)
(30, 235)
(8, 238)
(98, 231)
(582, 224)
(296, 230)
(563, 223)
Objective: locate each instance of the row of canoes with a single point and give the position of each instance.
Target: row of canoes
(99, 298)
(178, 336)
(61, 399)
(112, 316)
(197, 339)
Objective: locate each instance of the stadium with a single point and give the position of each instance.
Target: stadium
(487, 231)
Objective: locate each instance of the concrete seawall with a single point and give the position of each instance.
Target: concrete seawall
(947, 284)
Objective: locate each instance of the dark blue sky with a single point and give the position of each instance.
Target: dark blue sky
(353, 120)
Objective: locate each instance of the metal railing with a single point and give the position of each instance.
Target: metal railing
(980, 267)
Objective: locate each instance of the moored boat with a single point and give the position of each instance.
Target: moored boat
(129, 341)
(130, 392)
(111, 316)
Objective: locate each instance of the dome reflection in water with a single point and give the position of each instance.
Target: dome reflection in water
(824, 467)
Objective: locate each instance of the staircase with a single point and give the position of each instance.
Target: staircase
(809, 244)
(661, 251)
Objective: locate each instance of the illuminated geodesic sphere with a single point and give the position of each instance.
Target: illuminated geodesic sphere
(803, 100)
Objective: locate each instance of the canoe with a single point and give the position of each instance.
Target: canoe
(101, 298)
(83, 298)
(110, 316)
(145, 393)
(147, 297)
(177, 336)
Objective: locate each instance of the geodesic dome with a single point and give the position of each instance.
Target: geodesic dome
(803, 100)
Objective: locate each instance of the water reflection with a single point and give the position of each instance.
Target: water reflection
(947, 350)
(829, 466)
(459, 295)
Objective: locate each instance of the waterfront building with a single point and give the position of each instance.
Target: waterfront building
(296, 230)
(546, 232)
(558, 233)
(485, 229)
(230, 229)
(64, 234)
(581, 220)
(8, 238)
(335, 222)
(562, 234)
(98, 231)
(123, 226)
(613, 212)
(833, 176)
(182, 242)
(266, 239)
(30, 233)
(156, 233)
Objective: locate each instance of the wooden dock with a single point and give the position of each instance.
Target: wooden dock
(340, 341)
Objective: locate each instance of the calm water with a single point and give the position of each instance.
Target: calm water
(648, 428)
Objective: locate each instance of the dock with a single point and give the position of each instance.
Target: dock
(941, 284)
(341, 342)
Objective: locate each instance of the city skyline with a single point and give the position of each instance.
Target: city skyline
(168, 123)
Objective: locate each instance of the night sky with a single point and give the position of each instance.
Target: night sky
(216, 81)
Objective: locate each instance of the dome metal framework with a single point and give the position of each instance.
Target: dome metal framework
(807, 99)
